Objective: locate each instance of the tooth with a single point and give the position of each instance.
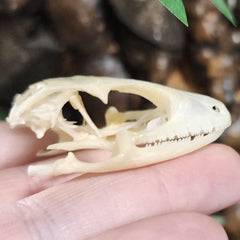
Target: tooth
(192, 138)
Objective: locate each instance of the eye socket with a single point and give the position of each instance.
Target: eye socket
(215, 108)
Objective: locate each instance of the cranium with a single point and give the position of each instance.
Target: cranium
(181, 122)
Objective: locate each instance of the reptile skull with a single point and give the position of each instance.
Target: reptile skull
(180, 123)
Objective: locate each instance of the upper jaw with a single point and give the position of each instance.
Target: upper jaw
(175, 131)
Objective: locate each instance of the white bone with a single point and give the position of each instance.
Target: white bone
(181, 123)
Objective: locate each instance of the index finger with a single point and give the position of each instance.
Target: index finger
(20, 145)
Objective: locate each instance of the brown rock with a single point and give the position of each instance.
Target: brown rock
(12, 5)
(161, 65)
(232, 136)
(99, 65)
(145, 60)
(232, 222)
(208, 25)
(182, 78)
(150, 20)
(80, 25)
(25, 57)
(221, 69)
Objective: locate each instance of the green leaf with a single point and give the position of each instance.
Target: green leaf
(218, 218)
(223, 8)
(3, 114)
(177, 8)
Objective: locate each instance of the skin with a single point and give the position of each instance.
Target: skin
(170, 200)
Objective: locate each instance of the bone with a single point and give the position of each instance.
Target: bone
(181, 121)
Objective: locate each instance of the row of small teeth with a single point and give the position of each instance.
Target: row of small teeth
(177, 139)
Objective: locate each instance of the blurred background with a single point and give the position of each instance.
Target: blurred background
(137, 39)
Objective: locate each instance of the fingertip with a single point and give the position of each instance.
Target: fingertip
(224, 150)
(219, 164)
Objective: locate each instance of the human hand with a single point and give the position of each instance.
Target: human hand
(169, 200)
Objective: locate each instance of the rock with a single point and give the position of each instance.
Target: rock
(150, 20)
(99, 65)
(28, 52)
(221, 72)
(183, 79)
(145, 60)
(209, 26)
(232, 136)
(232, 222)
(81, 26)
(12, 5)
